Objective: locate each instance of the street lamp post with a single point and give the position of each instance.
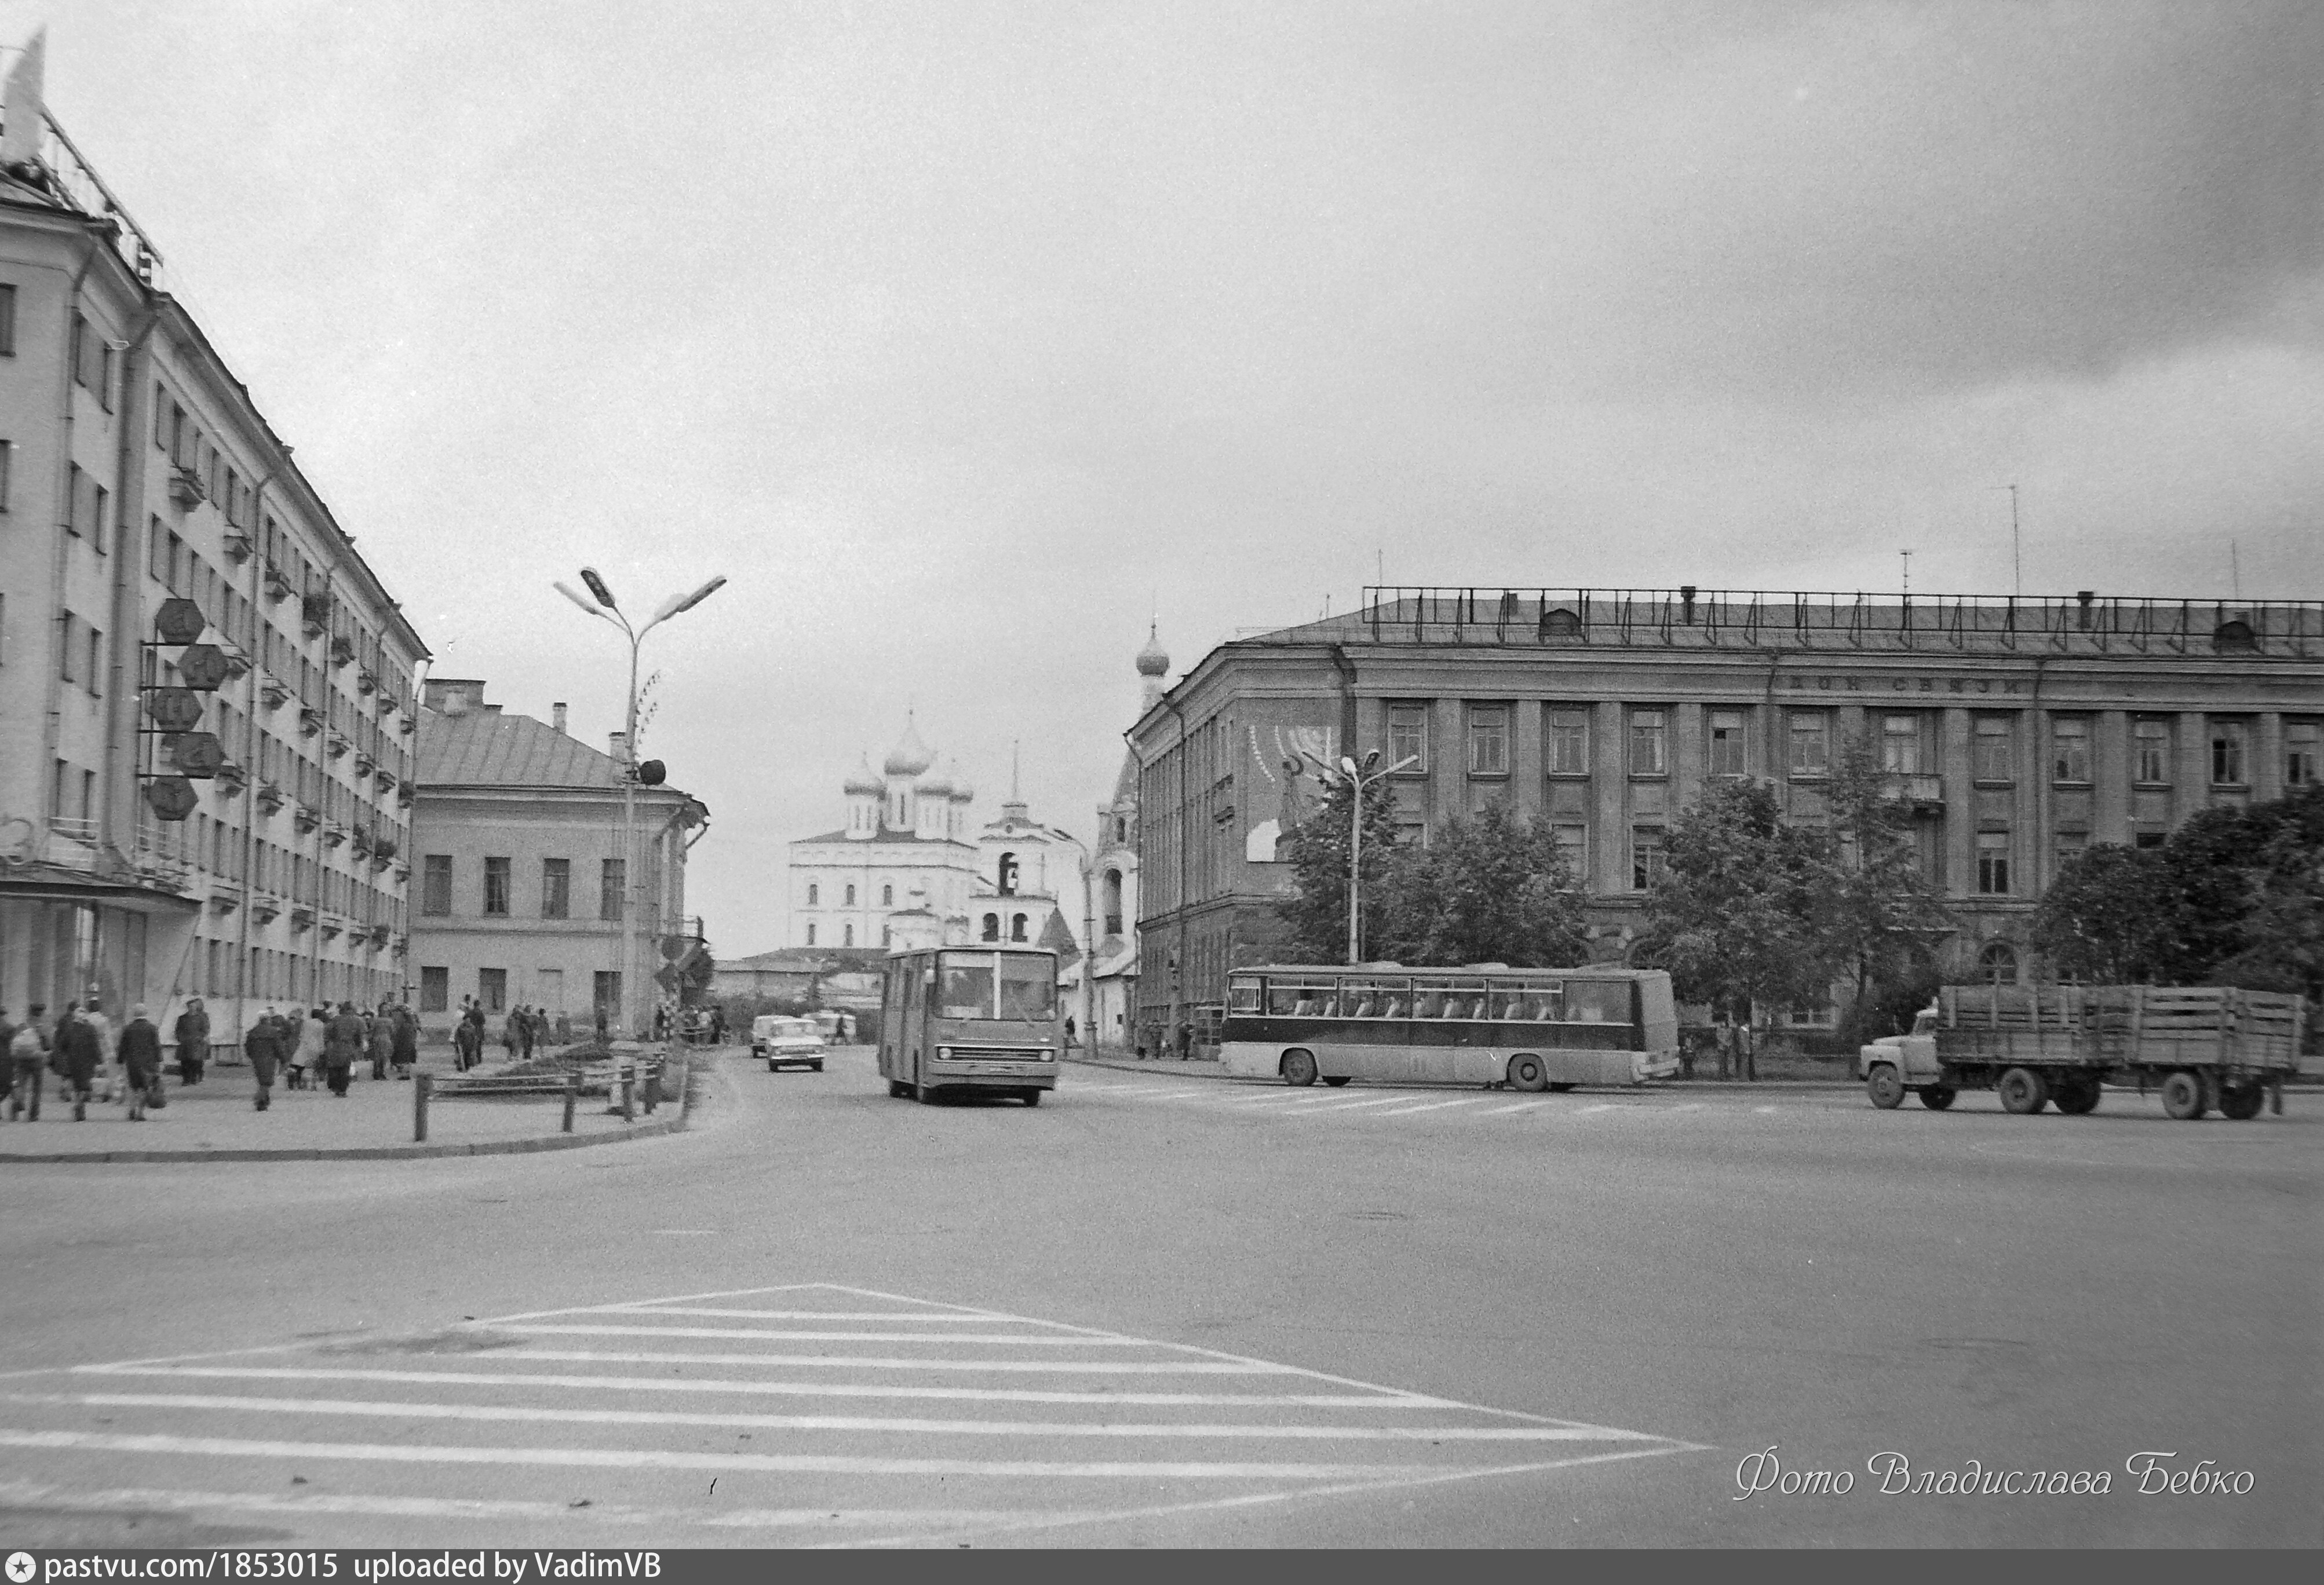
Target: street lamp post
(1359, 779)
(602, 605)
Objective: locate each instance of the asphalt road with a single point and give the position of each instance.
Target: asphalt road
(1166, 1311)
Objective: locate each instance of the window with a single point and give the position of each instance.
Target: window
(1646, 856)
(2301, 741)
(1407, 737)
(2226, 753)
(2151, 751)
(2071, 748)
(1574, 842)
(888, 896)
(1992, 748)
(1997, 964)
(555, 888)
(1005, 878)
(1900, 744)
(95, 661)
(810, 934)
(611, 880)
(606, 991)
(64, 649)
(1810, 742)
(1648, 748)
(1488, 740)
(8, 321)
(7, 449)
(1015, 927)
(1725, 742)
(496, 886)
(492, 988)
(851, 894)
(2150, 839)
(991, 928)
(2071, 845)
(1993, 863)
(814, 894)
(847, 936)
(435, 989)
(1568, 743)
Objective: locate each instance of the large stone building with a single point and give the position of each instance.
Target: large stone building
(135, 471)
(1112, 961)
(519, 891)
(905, 870)
(2018, 732)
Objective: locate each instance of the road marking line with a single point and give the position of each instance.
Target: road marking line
(671, 1459)
(1765, 1111)
(868, 1362)
(771, 1334)
(1352, 1105)
(1520, 1106)
(1432, 1106)
(529, 1414)
(1601, 1106)
(713, 1312)
(820, 1389)
(132, 1499)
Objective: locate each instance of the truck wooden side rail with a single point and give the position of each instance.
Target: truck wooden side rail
(2204, 1047)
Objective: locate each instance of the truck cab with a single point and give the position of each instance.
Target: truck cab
(1894, 1063)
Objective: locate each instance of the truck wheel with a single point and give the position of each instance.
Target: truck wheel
(1886, 1088)
(2078, 1097)
(1526, 1073)
(1937, 1097)
(2241, 1102)
(1337, 1080)
(1298, 1068)
(2184, 1099)
(2023, 1091)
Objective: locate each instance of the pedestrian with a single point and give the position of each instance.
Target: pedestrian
(406, 1048)
(28, 1063)
(508, 1035)
(381, 1039)
(1069, 1028)
(264, 1047)
(600, 1023)
(661, 1023)
(343, 1040)
(313, 1026)
(93, 1014)
(79, 1052)
(1185, 1040)
(476, 1022)
(522, 1019)
(140, 1061)
(464, 1043)
(192, 1033)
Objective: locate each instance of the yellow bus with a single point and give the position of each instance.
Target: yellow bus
(961, 1020)
(1527, 1028)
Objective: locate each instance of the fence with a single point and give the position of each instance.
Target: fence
(633, 1085)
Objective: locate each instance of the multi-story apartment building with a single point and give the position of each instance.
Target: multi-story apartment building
(519, 898)
(2018, 732)
(135, 471)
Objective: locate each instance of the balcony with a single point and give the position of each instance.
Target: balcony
(233, 777)
(273, 690)
(237, 659)
(308, 817)
(302, 916)
(278, 583)
(310, 721)
(342, 650)
(270, 797)
(165, 870)
(337, 743)
(332, 926)
(1924, 794)
(406, 791)
(366, 682)
(225, 897)
(265, 906)
(364, 764)
(385, 779)
(334, 833)
(238, 547)
(186, 488)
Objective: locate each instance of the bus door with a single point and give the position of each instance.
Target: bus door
(913, 1033)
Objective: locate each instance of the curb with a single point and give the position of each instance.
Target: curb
(1210, 1070)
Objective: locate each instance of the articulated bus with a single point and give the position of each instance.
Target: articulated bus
(1529, 1028)
(956, 1020)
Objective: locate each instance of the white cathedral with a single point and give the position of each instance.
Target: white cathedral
(904, 870)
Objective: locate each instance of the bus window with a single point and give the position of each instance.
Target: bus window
(964, 987)
(1371, 999)
(1509, 1002)
(1282, 1001)
(1243, 996)
(1464, 1001)
(1598, 1001)
(1428, 1004)
(1295, 998)
(1029, 987)
(1548, 1003)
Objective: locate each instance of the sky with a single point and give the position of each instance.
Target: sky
(966, 340)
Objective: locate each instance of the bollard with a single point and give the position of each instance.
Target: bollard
(420, 1084)
(572, 1091)
(653, 1088)
(629, 1093)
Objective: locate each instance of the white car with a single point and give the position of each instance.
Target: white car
(787, 1042)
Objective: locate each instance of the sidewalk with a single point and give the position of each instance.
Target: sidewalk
(214, 1121)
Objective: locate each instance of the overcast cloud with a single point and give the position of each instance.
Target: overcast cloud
(965, 338)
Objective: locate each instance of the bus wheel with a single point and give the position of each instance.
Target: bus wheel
(2078, 1097)
(1298, 1067)
(925, 1094)
(1032, 1098)
(898, 1089)
(2182, 1096)
(1336, 1080)
(1937, 1097)
(1886, 1088)
(2023, 1092)
(2241, 1102)
(1526, 1073)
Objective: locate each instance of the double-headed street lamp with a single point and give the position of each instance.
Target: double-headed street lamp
(1359, 779)
(602, 605)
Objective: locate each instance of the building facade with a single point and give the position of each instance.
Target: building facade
(2018, 732)
(518, 881)
(135, 471)
(1112, 961)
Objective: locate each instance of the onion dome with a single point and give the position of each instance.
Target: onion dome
(963, 790)
(861, 781)
(1153, 660)
(910, 756)
(935, 786)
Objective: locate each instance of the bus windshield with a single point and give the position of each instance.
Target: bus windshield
(1014, 987)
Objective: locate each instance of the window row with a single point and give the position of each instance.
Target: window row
(295, 979)
(497, 899)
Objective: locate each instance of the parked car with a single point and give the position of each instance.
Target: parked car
(787, 1042)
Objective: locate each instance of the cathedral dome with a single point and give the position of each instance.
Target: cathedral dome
(963, 790)
(1153, 660)
(861, 781)
(910, 756)
(936, 786)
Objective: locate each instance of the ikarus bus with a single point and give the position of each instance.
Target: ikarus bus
(955, 1019)
(1529, 1028)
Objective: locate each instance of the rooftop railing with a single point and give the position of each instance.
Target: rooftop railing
(1723, 618)
(76, 184)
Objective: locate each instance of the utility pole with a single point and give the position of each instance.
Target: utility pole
(1908, 572)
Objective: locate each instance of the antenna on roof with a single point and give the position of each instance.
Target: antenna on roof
(1908, 570)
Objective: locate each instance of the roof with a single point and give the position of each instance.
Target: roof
(887, 834)
(487, 748)
(803, 960)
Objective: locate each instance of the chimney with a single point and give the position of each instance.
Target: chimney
(557, 718)
(617, 743)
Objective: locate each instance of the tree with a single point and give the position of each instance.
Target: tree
(1880, 909)
(1316, 911)
(2107, 916)
(1741, 913)
(1490, 888)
